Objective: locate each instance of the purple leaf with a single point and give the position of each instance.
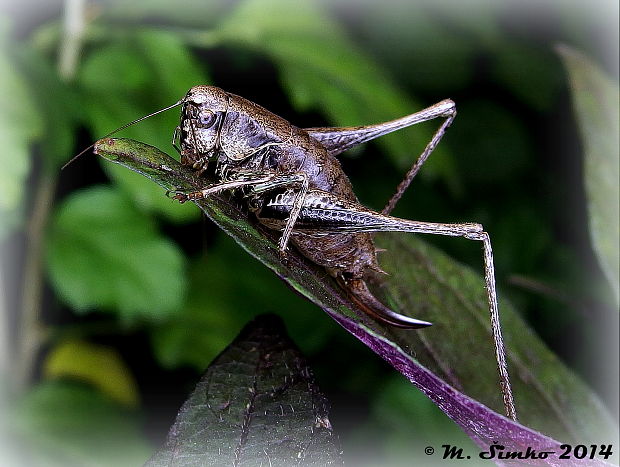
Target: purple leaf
(484, 426)
(436, 288)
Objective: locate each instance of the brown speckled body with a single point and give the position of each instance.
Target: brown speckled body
(293, 183)
(290, 179)
(245, 126)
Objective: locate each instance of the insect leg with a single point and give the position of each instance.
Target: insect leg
(176, 139)
(259, 184)
(297, 202)
(449, 114)
(243, 180)
(326, 213)
(337, 140)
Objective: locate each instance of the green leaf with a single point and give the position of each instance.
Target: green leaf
(391, 418)
(20, 125)
(417, 39)
(257, 404)
(155, 69)
(69, 424)
(480, 137)
(549, 398)
(173, 69)
(58, 106)
(322, 70)
(529, 72)
(595, 100)
(103, 253)
(97, 365)
(215, 310)
(129, 73)
(188, 12)
(426, 284)
(148, 198)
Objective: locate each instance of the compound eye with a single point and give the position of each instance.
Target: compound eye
(206, 118)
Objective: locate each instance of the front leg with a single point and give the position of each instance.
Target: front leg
(238, 180)
(258, 185)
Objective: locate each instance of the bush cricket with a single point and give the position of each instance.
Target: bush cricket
(291, 181)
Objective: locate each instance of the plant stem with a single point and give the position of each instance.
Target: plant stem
(70, 46)
(31, 333)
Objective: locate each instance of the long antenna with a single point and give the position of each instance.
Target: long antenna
(123, 127)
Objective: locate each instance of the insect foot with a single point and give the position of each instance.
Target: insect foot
(284, 257)
(180, 196)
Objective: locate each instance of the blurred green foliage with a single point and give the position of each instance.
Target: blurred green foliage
(66, 423)
(17, 107)
(595, 98)
(93, 364)
(104, 253)
(128, 268)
